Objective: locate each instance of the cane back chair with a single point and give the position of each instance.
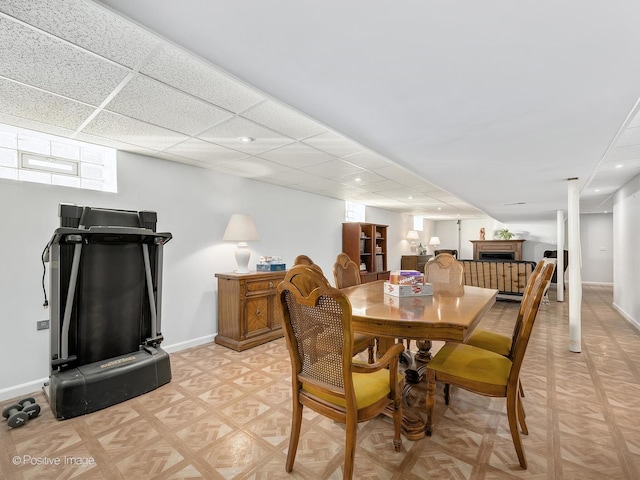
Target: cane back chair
(325, 378)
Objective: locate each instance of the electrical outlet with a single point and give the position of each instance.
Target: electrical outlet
(42, 324)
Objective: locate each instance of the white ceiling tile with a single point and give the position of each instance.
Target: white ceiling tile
(293, 176)
(33, 125)
(332, 169)
(283, 120)
(393, 172)
(617, 154)
(426, 187)
(32, 104)
(402, 194)
(381, 186)
(334, 144)
(359, 179)
(277, 179)
(368, 160)
(54, 65)
(116, 144)
(317, 184)
(197, 149)
(186, 72)
(154, 102)
(631, 136)
(118, 127)
(254, 167)
(87, 25)
(229, 132)
(297, 155)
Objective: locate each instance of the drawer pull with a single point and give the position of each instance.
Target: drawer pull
(258, 312)
(271, 285)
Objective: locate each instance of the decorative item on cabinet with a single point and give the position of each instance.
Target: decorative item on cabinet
(249, 314)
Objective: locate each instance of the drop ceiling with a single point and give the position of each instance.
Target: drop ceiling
(447, 111)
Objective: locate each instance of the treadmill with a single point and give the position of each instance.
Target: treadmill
(105, 310)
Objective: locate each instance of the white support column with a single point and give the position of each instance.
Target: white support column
(560, 260)
(575, 264)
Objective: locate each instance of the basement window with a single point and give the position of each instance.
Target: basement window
(29, 156)
(353, 212)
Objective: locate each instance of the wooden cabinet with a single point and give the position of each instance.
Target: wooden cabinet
(249, 312)
(414, 262)
(366, 244)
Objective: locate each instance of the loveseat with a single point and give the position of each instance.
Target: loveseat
(509, 277)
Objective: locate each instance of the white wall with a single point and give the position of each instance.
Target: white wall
(596, 238)
(626, 265)
(193, 204)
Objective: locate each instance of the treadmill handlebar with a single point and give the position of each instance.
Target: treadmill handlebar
(65, 235)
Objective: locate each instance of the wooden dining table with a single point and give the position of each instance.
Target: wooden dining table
(449, 314)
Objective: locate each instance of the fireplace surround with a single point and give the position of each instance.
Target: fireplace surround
(497, 249)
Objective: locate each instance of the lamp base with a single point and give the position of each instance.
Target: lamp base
(242, 258)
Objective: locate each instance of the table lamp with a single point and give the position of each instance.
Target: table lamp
(412, 235)
(241, 229)
(434, 242)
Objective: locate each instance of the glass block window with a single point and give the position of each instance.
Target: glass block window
(30, 156)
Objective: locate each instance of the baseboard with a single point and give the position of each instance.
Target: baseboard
(26, 389)
(22, 390)
(627, 317)
(602, 284)
(194, 342)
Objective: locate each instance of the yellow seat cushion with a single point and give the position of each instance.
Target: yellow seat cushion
(472, 363)
(369, 388)
(491, 341)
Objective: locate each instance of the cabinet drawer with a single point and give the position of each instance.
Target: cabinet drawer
(261, 286)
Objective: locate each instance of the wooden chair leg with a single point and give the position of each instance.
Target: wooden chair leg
(521, 416)
(512, 415)
(521, 389)
(296, 423)
(371, 350)
(447, 393)
(350, 448)
(397, 420)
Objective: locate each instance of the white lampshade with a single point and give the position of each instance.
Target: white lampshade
(241, 229)
(434, 241)
(412, 236)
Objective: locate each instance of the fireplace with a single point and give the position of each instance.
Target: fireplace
(497, 256)
(497, 249)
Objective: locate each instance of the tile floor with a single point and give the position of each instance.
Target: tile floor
(226, 415)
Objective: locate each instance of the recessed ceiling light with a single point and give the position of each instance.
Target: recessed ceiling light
(358, 179)
(619, 165)
(597, 190)
(246, 139)
(439, 208)
(410, 198)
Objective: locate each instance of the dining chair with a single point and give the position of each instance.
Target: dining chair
(443, 268)
(488, 373)
(499, 343)
(346, 273)
(325, 378)
(306, 260)
(451, 251)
